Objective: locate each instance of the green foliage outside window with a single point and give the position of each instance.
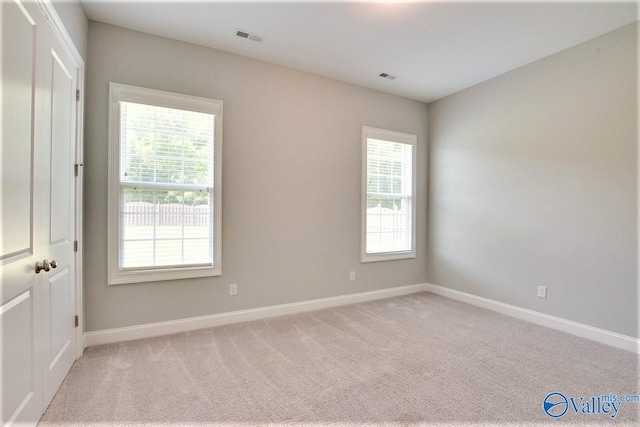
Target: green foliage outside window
(169, 146)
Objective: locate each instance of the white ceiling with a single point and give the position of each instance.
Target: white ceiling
(435, 48)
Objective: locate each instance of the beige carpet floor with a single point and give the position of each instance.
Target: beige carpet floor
(417, 359)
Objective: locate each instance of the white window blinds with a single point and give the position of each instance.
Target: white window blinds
(388, 195)
(166, 187)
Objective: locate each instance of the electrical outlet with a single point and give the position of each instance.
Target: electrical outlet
(542, 291)
(233, 289)
(352, 276)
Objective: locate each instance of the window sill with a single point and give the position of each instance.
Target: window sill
(141, 276)
(387, 256)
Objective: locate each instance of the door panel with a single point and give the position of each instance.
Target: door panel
(17, 92)
(20, 222)
(59, 289)
(18, 377)
(58, 106)
(62, 156)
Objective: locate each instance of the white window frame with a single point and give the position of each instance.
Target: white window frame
(126, 93)
(392, 136)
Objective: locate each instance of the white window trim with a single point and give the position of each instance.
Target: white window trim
(404, 138)
(121, 92)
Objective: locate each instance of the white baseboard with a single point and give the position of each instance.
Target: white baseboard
(182, 325)
(585, 331)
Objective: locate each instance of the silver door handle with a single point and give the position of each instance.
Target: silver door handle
(42, 266)
(46, 265)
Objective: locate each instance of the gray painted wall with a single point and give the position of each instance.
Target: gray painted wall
(291, 180)
(72, 15)
(533, 180)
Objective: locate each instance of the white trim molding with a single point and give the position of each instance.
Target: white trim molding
(149, 330)
(574, 328)
(52, 16)
(119, 93)
(410, 140)
(202, 322)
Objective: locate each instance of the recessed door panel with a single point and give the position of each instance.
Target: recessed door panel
(17, 92)
(18, 376)
(60, 315)
(62, 135)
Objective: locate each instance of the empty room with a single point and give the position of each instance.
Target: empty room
(319, 213)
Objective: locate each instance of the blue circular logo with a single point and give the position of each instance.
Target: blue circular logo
(555, 405)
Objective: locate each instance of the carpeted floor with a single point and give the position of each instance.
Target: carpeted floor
(417, 359)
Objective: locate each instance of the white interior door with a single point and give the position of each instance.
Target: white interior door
(20, 219)
(56, 104)
(37, 306)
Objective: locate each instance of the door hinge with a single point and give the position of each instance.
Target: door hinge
(77, 320)
(75, 246)
(77, 95)
(76, 169)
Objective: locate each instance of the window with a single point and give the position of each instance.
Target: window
(164, 185)
(388, 199)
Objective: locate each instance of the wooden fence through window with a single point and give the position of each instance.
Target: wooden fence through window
(172, 214)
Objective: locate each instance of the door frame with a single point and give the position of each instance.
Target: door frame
(63, 35)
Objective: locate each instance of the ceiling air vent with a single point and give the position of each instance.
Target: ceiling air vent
(387, 76)
(248, 35)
